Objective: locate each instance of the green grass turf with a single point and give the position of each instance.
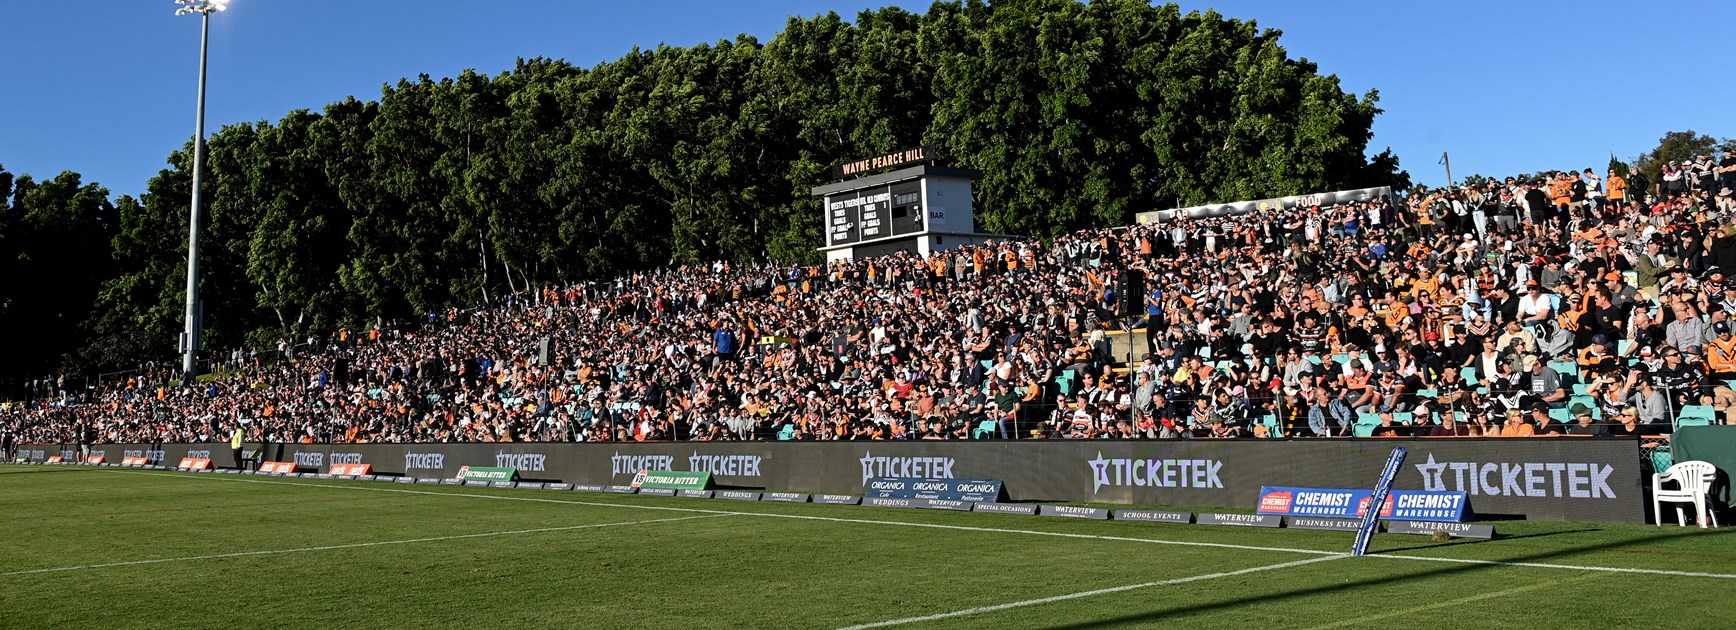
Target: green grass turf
(844, 565)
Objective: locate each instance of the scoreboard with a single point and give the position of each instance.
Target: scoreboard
(874, 213)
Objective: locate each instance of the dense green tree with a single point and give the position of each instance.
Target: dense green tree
(453, 191)
(49, 231)
(1677, 146)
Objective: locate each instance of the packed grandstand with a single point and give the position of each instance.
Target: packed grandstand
(1567, 304)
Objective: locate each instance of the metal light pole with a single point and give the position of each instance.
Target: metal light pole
(190, 337)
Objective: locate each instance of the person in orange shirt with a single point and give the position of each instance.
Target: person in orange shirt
(1561, 192)
(1517, 425)
(1617, 189)
(1721, 352)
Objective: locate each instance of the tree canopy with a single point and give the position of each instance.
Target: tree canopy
(1680, 146)
(455, 190)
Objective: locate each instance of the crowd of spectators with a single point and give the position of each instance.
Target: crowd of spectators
(1562, 304)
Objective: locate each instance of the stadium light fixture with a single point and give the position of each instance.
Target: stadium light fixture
(201, 6)
(190, 336)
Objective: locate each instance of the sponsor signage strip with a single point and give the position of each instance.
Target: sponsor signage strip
(1331, 524)
(1154, 516)
(672, 480)
(1426, 528)
(1415, 505)
(1073, 511)
(486, 473)
(1594, 481)
(974, 490)
(1007, 508)
(352, 469)
(1244, 520)
(928, 504)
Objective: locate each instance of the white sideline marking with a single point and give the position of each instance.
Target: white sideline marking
(1364, 621)
(1541, 565)
(994, 530)
(1101, 591)
(241, 554)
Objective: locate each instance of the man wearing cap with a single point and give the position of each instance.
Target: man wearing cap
(1644, 357)
(1621, 293)
(1721, 352)
(1598, 356)
(1541, 382)
(1677, 283)
(1713, 282)
(1584, 424)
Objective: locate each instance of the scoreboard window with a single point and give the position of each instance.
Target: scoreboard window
(906, 200)
(874, 213)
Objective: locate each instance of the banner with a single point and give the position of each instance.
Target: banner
(975, 490)
(672, 480)
(1320, 200)
(277, 468)
(351, 470)
(486, 473)
(1412, 505)
(195, 463)
(1585, 480)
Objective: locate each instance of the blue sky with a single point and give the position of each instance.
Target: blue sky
(107, 87)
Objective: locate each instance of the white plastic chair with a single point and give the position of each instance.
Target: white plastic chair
(1693, 485)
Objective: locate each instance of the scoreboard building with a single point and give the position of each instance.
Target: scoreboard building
(919, 209)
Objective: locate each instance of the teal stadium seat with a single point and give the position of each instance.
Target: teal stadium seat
(984, 431)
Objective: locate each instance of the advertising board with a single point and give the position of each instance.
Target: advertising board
(1588, 480)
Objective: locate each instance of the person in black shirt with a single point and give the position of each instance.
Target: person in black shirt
(1545, 424)
(1537, 202)
(1465, 346)
(1629, 425)
(1608, 319)
(1583, 423)
(1678, 379)
(1639, 187)
(1727, 171)
(1502, 306)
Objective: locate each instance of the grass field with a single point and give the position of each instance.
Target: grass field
(83, 548)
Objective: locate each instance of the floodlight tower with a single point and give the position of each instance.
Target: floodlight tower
(190, 337)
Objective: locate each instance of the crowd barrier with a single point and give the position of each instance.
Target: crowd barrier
(1590, 480)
